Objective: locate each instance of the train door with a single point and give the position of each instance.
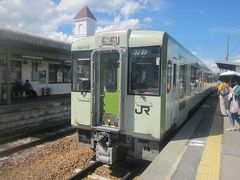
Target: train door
(169, 96)
(175, 91)
(172, 98)
(80, 95)
(106, 84)
(182, 77)
(2, 77)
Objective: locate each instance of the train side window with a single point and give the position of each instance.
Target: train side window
(182, 81)
(169, 76)
(174, 74)
(81, 75)
(144, 70)
(81, 71)
(194, 78)
(110, 71)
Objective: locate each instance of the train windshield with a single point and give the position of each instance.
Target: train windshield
(144, 70)
(81, 71)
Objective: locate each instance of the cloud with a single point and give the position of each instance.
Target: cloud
(121, 24)
(197, 51)
(148, 20)
(106, 6)
(39, 17)
(211, 64)
(49, 17)
(202, 12)
(61, 36)
(226, 30)
(194, 53)
(118, 10)
(167, 23)
(158, 5)
(130, 8)
(105, 22)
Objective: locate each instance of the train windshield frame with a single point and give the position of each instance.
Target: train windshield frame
(81, 66)
(144, 69)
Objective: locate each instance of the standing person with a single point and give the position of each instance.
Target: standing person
(236, 91)
(29, 90)
(223, 91)
(232, 111)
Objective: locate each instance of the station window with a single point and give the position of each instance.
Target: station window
(59, 73)
(2, 70)
(144, 70)
(16, 70)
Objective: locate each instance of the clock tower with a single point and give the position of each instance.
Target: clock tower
(85, 23)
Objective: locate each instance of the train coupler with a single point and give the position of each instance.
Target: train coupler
(106, 154)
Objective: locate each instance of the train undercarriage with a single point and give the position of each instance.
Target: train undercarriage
(111, 147)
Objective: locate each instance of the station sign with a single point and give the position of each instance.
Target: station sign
(110, 40)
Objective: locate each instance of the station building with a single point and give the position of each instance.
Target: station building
(46, 63)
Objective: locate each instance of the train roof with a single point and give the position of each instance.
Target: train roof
(136, 38)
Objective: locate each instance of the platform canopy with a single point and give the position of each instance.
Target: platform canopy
(224, 65)
(28, 38)
(229, 76)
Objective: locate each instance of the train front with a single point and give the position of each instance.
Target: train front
(106, 109)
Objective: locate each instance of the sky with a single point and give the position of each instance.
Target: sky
(202, 26)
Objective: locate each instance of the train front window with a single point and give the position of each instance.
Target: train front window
(81, 71)
(144, 70)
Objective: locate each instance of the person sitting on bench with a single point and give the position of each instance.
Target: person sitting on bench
(29, 90)
(17, 89)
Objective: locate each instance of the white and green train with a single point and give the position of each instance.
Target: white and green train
(130, 88)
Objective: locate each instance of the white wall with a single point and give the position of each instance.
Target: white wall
(91, 27)
(88, 27)
(238, 69)
(83, 29)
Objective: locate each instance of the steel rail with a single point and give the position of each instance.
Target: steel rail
(84, 172)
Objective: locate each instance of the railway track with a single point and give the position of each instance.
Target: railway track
(33, 140)
(86, 171)
(133, 170)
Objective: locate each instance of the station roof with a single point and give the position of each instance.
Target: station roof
(29, 38)
(85, 12)
(227, 65)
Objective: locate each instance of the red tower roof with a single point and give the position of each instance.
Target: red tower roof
(85, 12)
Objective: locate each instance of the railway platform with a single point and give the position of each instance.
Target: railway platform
(32, 114)
(202, 149)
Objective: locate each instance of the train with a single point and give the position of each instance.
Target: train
(130, 88)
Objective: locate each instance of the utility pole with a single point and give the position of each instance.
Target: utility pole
(227, 54)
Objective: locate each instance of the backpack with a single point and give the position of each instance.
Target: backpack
(237, 92)
(224, 91)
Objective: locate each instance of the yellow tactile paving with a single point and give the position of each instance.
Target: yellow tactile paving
(209, 167)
